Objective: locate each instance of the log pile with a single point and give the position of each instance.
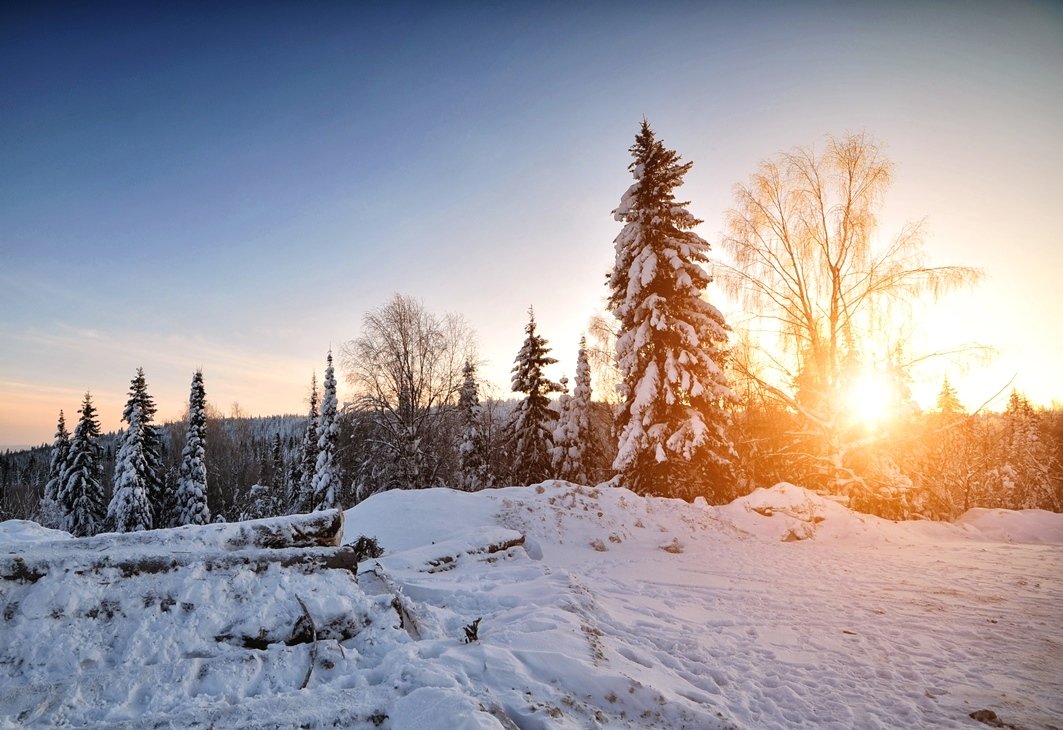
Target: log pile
(304, 542)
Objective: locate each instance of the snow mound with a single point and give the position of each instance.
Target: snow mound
(17, 533)
(1028, 526)
(789, 513)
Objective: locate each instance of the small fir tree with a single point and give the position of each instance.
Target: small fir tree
(326, 481)
(303, 490)
(472, 449)
(673, 424)
(563, 437)
(529, 431)
(948, 403)
(130, 509)
(191, 502)
(576, 449)
(49, 513)
(81, 498)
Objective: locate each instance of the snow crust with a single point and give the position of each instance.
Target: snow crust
(598, 608)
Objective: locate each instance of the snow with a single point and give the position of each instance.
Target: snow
(781, 609)
(19, 532)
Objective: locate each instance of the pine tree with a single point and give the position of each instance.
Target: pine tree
(159, 497)
(577, 449)
(49, 513)
(326, 481)
(303, 491)
(276, 457)
(948, 403)
(81, 495)
(529, 431)
(673, 425)
(472, 450)
(191, 500)
(1022, 478)
(130, 509)
(563, 436)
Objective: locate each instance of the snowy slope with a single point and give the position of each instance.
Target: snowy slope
(598, 608)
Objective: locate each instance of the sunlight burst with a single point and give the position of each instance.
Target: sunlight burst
(870, 398)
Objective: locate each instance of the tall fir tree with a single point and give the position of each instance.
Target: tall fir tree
(130, 508)
(576, 449)
(472, 449)
(326, 483)
(80, 497)
(302, 498)
(160, 496)
(277, 471)
(673, 424)
(191, 499)
(49, 513)
(529, 433)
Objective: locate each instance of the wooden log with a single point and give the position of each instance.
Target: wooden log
(167, 549)
(28, 568)
(448, 562)
(317, 529)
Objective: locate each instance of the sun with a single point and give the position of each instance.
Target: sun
(870, 398)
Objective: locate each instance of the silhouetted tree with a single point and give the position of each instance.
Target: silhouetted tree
(529, 433)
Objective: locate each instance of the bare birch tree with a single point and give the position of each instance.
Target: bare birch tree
(406, 370)
(818, 292)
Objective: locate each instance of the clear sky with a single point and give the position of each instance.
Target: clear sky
(232, 187)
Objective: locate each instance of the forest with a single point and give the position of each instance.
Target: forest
(810, 386)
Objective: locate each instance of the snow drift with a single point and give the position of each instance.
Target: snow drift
(596, 608)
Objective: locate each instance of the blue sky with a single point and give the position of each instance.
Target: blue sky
(232, 188)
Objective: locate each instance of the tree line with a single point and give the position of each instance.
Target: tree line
(700, 409)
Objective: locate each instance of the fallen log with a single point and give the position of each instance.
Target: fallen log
(447, 562)
(320, 529)
(29, 568)
(317, 529)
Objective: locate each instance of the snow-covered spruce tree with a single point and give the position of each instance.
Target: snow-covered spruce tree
(268, 497)
(159, 497)
(191, 500)
(673, 424)
(576, 448)
(472, 449)
(49, 513)
(80, 497)
(130, 510)
(563, 437)
(1022, 476)
(302, 494)
(326, 482)
(529, 432)
(278, 472)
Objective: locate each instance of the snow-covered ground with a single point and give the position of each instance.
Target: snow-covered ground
(782, 609)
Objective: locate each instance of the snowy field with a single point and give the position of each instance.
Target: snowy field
(598, 608)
